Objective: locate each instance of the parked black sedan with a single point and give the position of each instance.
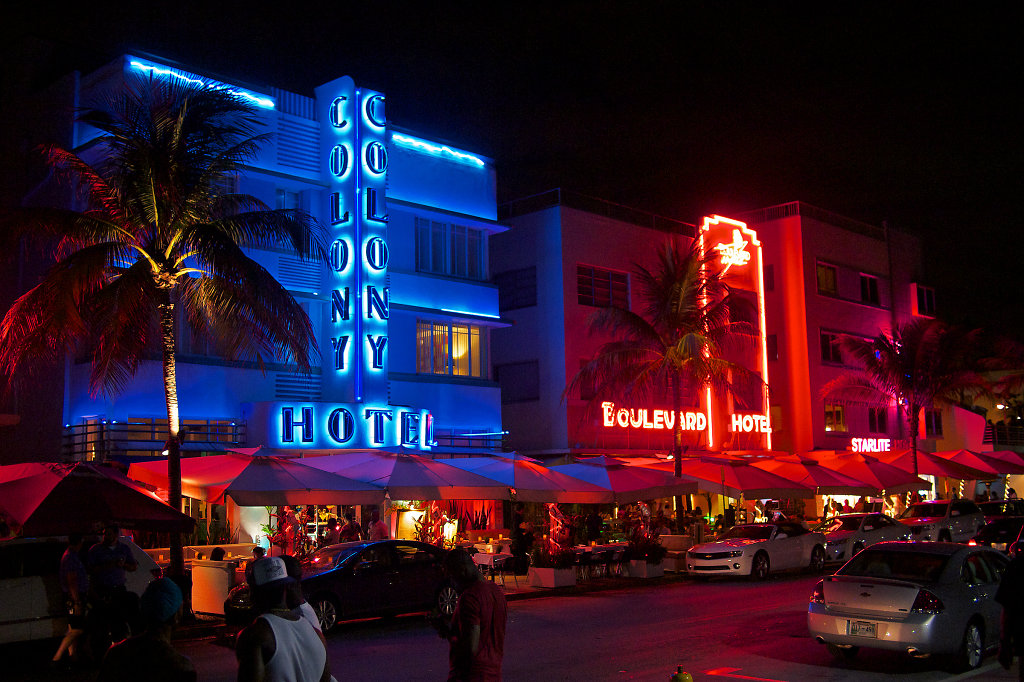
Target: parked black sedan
(999, 534)
(356, 579)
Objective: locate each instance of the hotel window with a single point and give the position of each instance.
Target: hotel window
(869, 289)
(878, 420)
(519, 381)
(287, 199)
(933, 423)
(769, 277)
(451, 349)
(602, 288)
(771, 343)
(828, 283)
(925, 300)
(517, 288)
(445, 249)
(835, 418)
(830, 350)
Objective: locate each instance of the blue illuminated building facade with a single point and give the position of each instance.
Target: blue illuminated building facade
(403, 306)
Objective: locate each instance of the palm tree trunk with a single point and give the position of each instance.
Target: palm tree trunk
(915, 422)
(677, 445)
(168, 339)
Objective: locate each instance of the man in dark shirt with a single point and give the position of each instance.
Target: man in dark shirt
(476, 635)
(151, 655)
(1010, 596)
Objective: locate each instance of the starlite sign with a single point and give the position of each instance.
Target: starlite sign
(870, 444)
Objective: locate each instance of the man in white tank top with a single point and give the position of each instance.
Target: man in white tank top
(279, 646)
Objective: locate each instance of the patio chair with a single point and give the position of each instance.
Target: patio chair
(505, 565)
(583, 566)
(618, 562)
(601, 562)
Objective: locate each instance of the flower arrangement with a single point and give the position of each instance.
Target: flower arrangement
(645, 546)
(543, 557)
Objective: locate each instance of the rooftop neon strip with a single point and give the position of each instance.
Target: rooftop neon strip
(436, 149)
(265, 102)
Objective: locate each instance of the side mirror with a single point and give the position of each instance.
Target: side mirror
(781, 536)
(955, 512)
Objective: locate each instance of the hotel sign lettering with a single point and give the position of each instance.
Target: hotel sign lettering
(658, 419)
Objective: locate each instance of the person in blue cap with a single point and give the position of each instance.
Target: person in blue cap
(151, 655)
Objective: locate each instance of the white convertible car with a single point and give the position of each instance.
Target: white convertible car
(756, 549)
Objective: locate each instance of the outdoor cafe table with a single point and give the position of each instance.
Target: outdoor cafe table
(487, 561)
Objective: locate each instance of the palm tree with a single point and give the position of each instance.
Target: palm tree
(919, 364)
(679, 341)
(156, 230)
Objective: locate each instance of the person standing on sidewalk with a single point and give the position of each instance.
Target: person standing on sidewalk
(151, 655)
(74, 583)
(1010, 596)
(279, 645)
(476, 634)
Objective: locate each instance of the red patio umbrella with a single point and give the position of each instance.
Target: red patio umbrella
(983, 461)
(627, 483)
(535, 482)
(813, 474)
(731, 476)
(43, 498)
(407, 476)
(932, 465)
(259, 481)
(874, 472)
(1006, 456)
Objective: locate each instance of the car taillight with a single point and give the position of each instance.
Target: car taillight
(972, 542)
(818, 596)
(927, 602)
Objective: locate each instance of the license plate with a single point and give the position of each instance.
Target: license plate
(1001, 546)
(860, 628)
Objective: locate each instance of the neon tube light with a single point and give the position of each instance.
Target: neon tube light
(436, 149)
(264, 102)
(467, 312)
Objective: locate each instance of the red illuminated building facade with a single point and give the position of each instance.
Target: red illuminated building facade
(809, 275)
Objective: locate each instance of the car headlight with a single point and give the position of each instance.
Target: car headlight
(736, 553)
(837, 543)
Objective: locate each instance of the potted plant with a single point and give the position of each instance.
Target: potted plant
(552, 568)
(645, 554)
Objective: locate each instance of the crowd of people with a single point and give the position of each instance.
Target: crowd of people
(291, 536)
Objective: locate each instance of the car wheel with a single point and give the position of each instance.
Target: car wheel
(447, 598)
(760, 566)
(844, 653)
(972, 649)
(326, 610)
(817, 559)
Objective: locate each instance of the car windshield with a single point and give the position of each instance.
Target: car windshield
(748, 533)
(925, 509)
(329, 557)
(838, 523)
(919, 567)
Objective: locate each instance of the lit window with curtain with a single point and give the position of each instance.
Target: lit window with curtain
(454, 349)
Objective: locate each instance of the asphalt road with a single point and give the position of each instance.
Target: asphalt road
(719, 630)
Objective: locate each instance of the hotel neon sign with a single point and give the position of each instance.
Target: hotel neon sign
(870, 444)
(659, 419)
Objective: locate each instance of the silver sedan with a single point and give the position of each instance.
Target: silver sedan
(921, 598)
(848, 534)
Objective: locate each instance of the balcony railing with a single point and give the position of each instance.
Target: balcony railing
(1002, 435)
(103, 439)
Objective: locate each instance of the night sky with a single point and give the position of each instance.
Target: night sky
(907, 114)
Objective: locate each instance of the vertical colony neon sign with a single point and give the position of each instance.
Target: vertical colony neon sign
(357, 164)
(354, 335)
(740, 257)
